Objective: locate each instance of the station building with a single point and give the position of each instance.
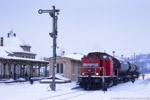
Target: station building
(67, 65)
(16, 57)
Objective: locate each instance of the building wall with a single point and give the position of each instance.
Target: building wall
(23, 55)
(26, 48)
(66, 69)
(75, 69)
(70, 67)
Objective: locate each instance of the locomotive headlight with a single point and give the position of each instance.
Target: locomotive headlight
(82, 73)
(97, 74)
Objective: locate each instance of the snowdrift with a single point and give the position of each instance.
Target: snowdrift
(58, 79)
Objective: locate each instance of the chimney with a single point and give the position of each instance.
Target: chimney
(8, 35)
(63, 53)
(2, 42)
(14, 34)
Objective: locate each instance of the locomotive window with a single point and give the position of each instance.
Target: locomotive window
(93, 55)
(110, 58)
(90, 64)
(103, 57)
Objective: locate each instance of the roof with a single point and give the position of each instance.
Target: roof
(58, 79)
(72, 56)
(13, 44)
(23, 59)
(75, 56)
(3, 52)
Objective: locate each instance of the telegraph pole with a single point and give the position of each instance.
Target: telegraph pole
(134, 58)
(53, 13)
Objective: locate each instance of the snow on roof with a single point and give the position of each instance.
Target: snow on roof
(26, 59)
(58, 79)
(75, 56)
(59, 76)
(121, 59)
(3, 52)
(13, 44)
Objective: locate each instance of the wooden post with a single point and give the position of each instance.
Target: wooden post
(23, 70)
(9, 67)
(31, 70)
(15, 74)
(20, 70)
(4, 70)
(45, 70)
(14, 68)
(39, 66)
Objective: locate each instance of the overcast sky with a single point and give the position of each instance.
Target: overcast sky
(83, 25)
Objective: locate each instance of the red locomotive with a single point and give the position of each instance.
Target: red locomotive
(102, 70)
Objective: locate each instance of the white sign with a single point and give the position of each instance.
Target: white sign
(90, 64)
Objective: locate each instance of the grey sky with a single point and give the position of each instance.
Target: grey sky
(83, 25)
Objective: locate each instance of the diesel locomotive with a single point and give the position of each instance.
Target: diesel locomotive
(101, 70)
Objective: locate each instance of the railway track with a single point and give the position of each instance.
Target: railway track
(78, 95)
(67, 96)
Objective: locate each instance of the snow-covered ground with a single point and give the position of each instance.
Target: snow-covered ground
(140, 90)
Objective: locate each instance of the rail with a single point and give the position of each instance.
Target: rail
(69, 95)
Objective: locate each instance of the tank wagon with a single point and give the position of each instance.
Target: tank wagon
(100, 70)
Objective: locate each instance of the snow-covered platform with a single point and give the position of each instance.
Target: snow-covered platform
(11, 80)
(58, 79)
(124, 91)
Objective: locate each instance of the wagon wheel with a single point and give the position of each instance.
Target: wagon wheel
(133, 80)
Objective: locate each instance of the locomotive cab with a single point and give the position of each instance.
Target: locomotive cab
(98, 64)
(94, 67)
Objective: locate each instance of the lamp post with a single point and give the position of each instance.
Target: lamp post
(122, 56)
(53, 13)
(113, 53)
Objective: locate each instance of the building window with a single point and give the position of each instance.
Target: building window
(73, 67)
(57, 68)
(61, 68)
(33, 70)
